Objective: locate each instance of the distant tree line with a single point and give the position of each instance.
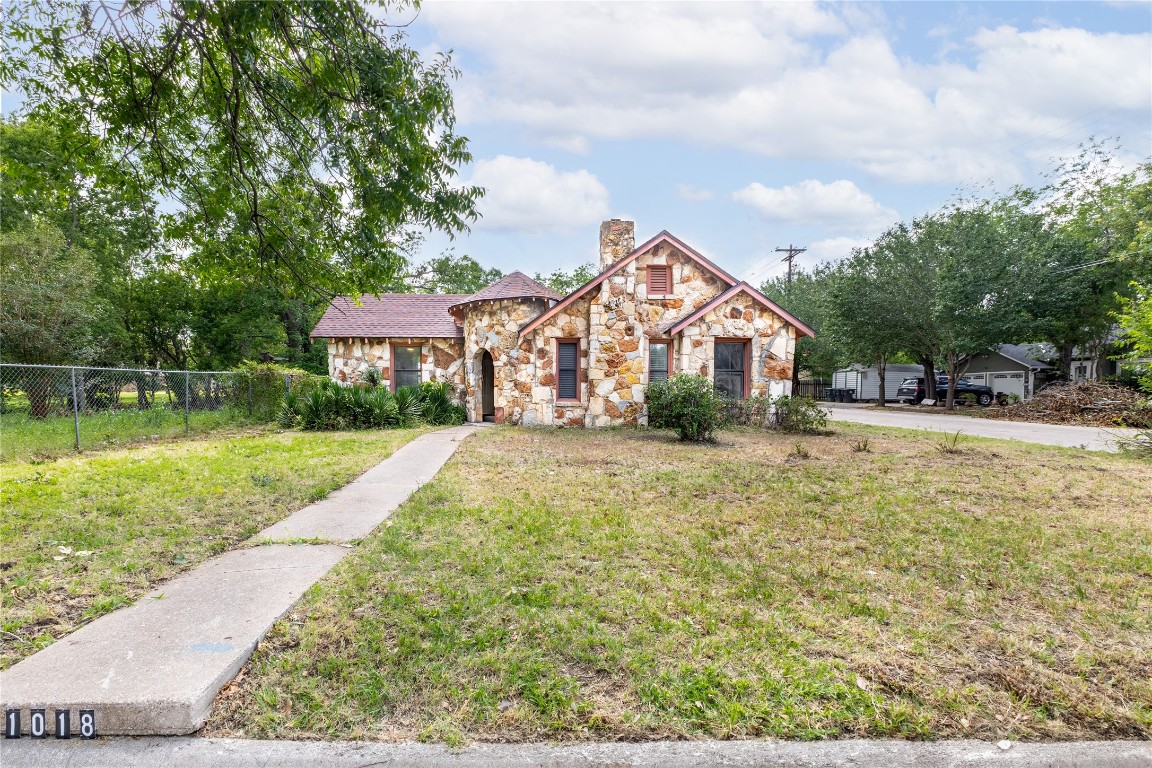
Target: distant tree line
(1066, 264)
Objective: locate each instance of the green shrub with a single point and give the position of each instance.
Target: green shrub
(439, 407)
(373, 378)
(262, 387)
(798, 414)
(688, 404)
(787, 414)
(328, 405)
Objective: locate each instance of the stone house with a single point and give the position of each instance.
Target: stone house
(518, 353)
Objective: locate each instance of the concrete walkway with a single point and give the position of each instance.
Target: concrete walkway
(230, 753)
(914, 417)
(154, 668)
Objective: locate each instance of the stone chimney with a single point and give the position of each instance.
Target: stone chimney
(617, 240)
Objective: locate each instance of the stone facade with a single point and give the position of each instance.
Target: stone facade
(440, 360)
(771, 338)
(614, 320)
(494, 327)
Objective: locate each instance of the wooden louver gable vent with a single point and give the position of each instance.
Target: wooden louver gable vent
(567, 366)
(659, 280)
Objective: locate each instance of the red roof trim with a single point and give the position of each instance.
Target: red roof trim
(741, 287)
(663, 237)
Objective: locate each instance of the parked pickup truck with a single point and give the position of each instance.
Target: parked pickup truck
(912, 390)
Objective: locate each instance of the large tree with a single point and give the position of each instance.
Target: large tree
(860, 303)
(806, 296)
(299, 142)
(49, 307)
(1093, 209)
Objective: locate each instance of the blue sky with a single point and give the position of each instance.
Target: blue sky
(745, 127)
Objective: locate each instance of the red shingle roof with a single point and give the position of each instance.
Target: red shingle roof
(393, 315)
(515, 285)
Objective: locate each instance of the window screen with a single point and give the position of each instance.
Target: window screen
(567, 368)
(659, 280)
(657, 361)
(730, 368)
(405, 367)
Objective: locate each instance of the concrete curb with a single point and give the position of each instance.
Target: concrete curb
(155, 667)
(233, 753)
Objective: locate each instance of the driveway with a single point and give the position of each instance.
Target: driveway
(914, 417)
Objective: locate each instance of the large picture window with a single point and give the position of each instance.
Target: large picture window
(659, 356)
(567, 370)
(730, 367)
(405, 367)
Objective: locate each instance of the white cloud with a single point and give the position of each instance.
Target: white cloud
(695, 194)
(834, 249)
(532, 197)
(796, 80)
(839, 206)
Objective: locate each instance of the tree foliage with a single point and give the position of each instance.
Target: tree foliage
(301, 141)
(806, 298)
(564, 282)
(449, 273)
(49, 307)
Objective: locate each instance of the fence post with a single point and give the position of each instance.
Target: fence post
(249, 377)
(75, 408)
(187, 397)
(287, 384)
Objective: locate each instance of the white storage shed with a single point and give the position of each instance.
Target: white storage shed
(866, 379)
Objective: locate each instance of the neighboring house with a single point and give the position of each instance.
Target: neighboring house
(517, 352)
(1007, 368)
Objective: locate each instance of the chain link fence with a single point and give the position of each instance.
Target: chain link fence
(45, 409)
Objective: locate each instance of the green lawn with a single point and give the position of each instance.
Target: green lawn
(24, 438)
(80, 536)
(556, 585)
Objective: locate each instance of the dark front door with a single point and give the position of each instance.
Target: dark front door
(730, 369)
(487, 388)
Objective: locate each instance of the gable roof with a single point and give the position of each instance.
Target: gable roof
(392, 315)
(1019, 353)
(514, 285)
(666, 238)
(674, 327)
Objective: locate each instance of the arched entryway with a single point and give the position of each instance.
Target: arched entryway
(487, 387)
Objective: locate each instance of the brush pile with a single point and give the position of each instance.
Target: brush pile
(1084, 404)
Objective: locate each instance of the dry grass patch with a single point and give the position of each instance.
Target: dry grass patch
(82, 536)
(621, 585)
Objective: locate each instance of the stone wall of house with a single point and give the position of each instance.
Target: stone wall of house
(623, 317)
(773, 343)
(543, 406)
(440, 360)
(495, 326)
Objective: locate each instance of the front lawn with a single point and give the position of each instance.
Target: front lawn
(25, 438)
(81, 536)
(620, 585)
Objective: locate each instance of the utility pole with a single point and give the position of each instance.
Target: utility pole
(792, 252)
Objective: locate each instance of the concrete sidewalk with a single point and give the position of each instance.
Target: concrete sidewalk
(154, 668)
(231, 753)
(914, 417)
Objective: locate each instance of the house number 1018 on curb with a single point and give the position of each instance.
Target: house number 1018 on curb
(38, 724)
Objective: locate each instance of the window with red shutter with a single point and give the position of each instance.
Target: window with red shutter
(659, 280)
